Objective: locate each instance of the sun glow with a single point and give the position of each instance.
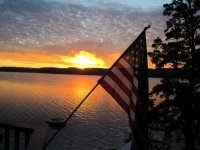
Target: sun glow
(84, 59)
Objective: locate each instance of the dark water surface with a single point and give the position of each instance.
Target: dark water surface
(31, 98)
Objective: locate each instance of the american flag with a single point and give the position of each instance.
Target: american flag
(122, 81)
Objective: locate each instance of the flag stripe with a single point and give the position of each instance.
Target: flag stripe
(115, 95)
(132, 110)
(132, 106)
(135, 82)
(135, 87)
(133, 98)
(132, 114)
(120, 83)
(124, 71)
(124, 63)
(117, 89)
(121, 76)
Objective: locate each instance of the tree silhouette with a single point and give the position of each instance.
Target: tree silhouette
(175, 122)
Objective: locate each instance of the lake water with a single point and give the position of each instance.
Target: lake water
(32, 98)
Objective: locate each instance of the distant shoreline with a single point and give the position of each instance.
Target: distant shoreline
(51, 70)
(154, 73)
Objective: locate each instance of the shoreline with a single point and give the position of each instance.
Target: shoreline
(152, 73)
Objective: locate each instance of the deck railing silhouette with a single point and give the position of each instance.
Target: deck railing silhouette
(21, 137)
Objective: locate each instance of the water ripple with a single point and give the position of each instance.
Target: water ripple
(34, 98)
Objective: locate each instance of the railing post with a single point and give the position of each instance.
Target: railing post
(16, 140)
(27, 138)
(34, 139)
(6, 140)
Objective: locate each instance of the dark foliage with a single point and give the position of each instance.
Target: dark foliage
(175, 122)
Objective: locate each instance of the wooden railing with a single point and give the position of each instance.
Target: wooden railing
(20, 137)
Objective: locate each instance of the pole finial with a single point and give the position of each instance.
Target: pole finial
(147, 27)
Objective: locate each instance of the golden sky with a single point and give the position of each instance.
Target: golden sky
(78, 34)
(80, 59)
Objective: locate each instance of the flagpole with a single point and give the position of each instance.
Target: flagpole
(68, 118)
(59, 129)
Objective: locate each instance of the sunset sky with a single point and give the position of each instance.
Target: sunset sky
(74, 33)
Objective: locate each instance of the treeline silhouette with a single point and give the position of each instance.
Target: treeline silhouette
(156, 73)
(71, 70)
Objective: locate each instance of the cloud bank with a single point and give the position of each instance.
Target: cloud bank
(59, 28)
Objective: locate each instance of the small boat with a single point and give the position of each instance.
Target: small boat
(56, 122)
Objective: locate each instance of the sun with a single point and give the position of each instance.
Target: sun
(84, 59)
